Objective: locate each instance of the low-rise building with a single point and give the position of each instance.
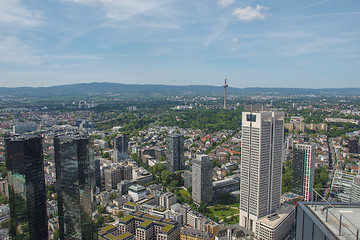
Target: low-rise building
(167, 199)
(137, 192)
(277, 225)
(194, 234)
(146, 227)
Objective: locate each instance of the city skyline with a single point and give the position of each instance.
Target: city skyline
(252, 43)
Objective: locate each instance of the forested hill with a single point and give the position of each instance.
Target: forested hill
(105, 87)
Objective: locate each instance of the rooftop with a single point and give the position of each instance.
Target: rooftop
(273, 220)
(137, 188)
(127, 218)
(196, 233)
(146, 223)
(167, 228)
(108, 227)
(350, 218)
(156, 218)
(131, 204)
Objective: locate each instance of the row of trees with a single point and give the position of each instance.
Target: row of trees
(211, 120)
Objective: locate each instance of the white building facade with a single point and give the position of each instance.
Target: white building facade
(261, 165)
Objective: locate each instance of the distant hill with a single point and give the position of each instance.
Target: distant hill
(106, 87)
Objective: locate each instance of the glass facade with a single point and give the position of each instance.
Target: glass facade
(297, 181)
(27, 196)
(175, 152)
(75, 179)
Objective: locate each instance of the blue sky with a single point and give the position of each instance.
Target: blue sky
(277, 43)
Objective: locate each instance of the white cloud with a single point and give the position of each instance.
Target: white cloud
(14, 12)
(235, 40)
(249, 14)
(217, 30)
(13, 50)
(125, 9)
(224, 3)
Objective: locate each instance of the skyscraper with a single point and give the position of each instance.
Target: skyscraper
(175, 152)
(27, 196)
(121, 148)
(202, 179)
(261, 163)
(75, 180)
(303, 170)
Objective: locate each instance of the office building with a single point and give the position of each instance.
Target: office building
(345, 187)
(146, 227)
(121, 148)
(24, 128)
(175, 152)
(116, 174)
(194, 234)
(97, 173)
(354, 145)
(276, 225)
(202, 179)
(187, 178)
(112, 232)
(303, 170)
(168, 199)
(26, 181)
(261, 165)
(225, 186)
(322, 220)
(137, 192)
(75, 180)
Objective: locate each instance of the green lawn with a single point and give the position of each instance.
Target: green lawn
(184, 193)
(222, 212)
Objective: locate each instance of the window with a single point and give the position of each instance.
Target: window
(251, 118)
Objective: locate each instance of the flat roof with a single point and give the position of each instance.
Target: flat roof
(120, 237)
(126, 218)
(108, 227)
(196, 233)
(131, 204)
(152, 217)
(146, 223)
(350, 220)
(273, 220)
(167, 228)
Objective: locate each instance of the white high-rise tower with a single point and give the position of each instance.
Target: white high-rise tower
(261, 165)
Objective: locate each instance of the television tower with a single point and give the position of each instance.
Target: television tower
(225, 86)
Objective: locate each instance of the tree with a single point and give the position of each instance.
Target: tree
(215, 163)
(166, 177)
(101, 209)
(120, 214)
(226, 198)
(106, 155)
(174, 183)
(203, 207)
(100, 221)
(112, 196)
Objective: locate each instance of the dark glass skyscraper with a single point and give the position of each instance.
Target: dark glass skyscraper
(75, 181)
(27, 197)
(298, 172)
(303, 170)
(121, 148)
(175, 152)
